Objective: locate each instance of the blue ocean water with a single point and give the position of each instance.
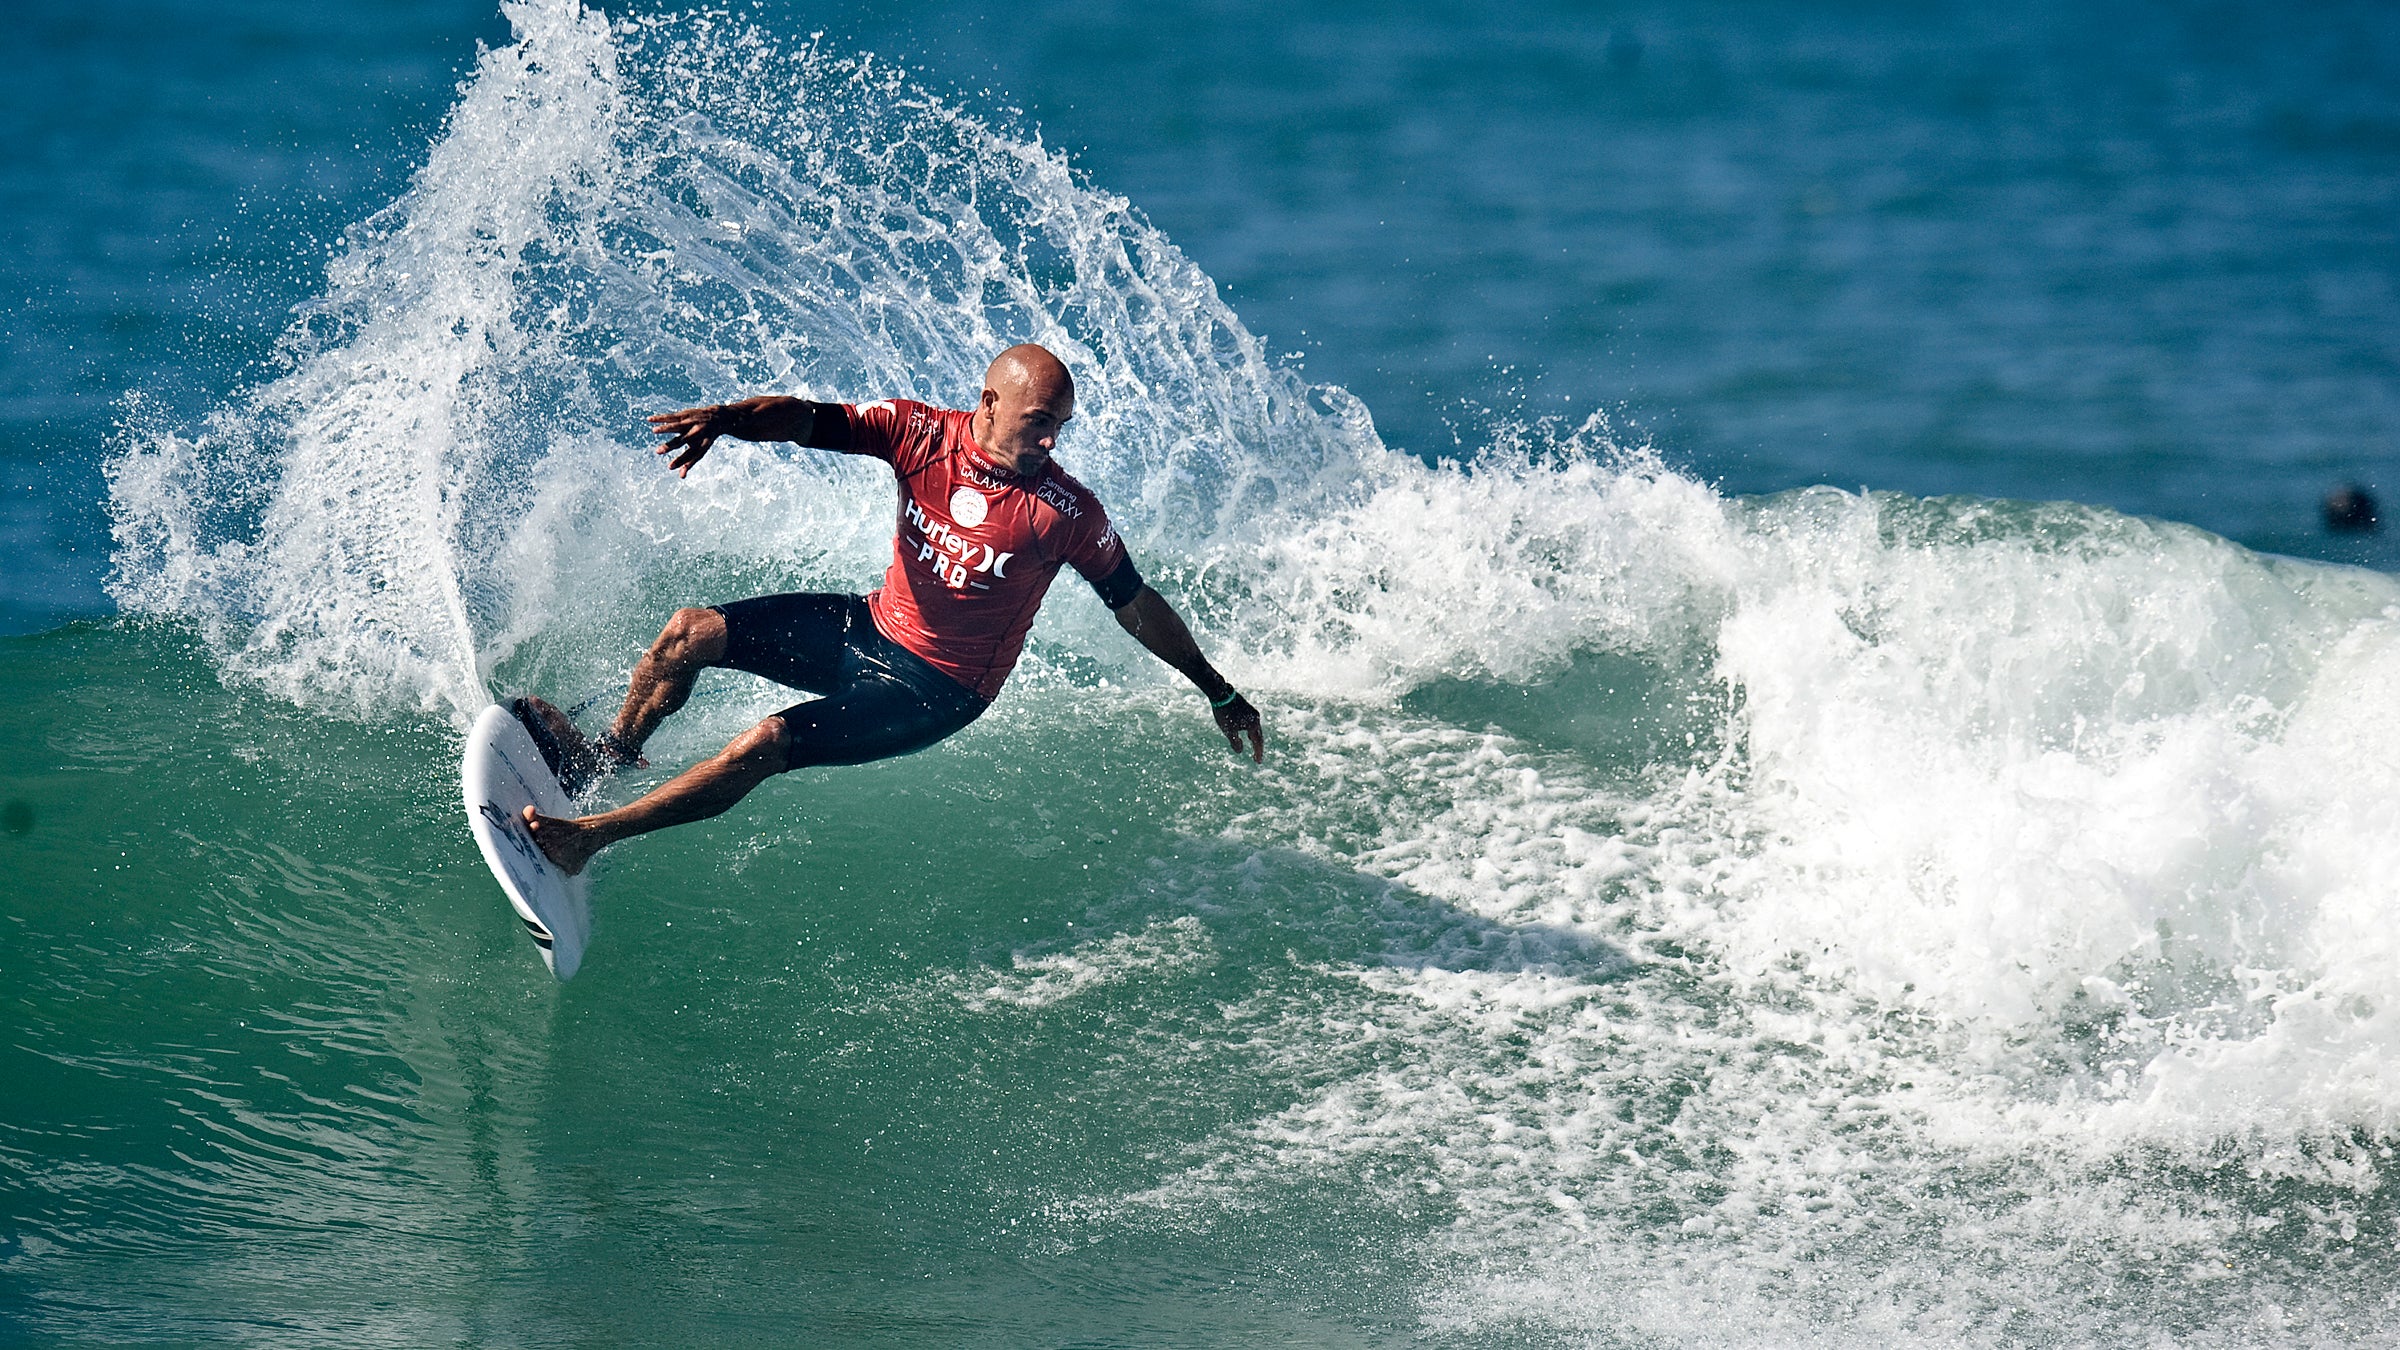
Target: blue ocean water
(2138, 256)
(1829, 784)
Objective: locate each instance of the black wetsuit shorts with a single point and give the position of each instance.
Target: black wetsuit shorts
(880, 698)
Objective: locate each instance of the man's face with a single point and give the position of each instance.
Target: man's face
(1025, 417)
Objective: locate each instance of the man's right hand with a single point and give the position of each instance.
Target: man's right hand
(768, 417)
(692, 431)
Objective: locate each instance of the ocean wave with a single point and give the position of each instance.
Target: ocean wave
(1804, 907)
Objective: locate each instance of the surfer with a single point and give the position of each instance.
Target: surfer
(986, 520)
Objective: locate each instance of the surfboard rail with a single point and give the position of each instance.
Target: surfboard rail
(500, 774)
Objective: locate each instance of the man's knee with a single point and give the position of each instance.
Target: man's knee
(692, 637)
(762, 747)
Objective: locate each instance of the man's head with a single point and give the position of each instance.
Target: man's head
(1027, 396)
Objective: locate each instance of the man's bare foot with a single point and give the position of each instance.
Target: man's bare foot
(568, 843)
(571, 741)
(578, 760)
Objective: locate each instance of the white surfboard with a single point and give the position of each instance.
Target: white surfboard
(501, 776)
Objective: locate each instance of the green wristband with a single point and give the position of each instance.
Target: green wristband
(1230, 696)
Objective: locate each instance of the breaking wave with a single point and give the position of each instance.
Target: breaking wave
(1827, 915)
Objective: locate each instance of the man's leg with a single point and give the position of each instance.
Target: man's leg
(692, 641)
(701, 791)
(868, 713)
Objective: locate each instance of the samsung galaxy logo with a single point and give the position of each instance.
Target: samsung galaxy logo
(1059, 499)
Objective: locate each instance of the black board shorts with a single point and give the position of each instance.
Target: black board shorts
(880, 698)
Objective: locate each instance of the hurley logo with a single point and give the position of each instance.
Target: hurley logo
(955, 558)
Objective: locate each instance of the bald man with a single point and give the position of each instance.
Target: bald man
(986, 520)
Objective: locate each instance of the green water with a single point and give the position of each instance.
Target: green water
(283, 1069)
(1500, 1013)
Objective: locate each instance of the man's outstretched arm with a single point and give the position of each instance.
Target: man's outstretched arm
(769, 417)
(1155, 624)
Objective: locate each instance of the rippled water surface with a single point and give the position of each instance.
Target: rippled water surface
(1685, 903)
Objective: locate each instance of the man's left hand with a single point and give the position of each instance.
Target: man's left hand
(1238, 719)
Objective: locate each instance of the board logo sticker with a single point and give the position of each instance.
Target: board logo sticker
(968, 508)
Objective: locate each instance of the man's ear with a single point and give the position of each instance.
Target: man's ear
(990, 399)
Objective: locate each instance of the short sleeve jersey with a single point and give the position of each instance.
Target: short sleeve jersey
(977, 545)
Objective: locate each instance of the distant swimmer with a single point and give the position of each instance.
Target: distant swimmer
(986, 520)
(2350, 509)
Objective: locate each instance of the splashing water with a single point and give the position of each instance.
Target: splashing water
(1820, 916)
(451, 464)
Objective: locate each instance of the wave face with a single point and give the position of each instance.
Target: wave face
(1666, 918)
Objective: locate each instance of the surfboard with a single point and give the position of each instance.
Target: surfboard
(501, 775)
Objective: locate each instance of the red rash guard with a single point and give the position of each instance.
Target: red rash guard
(977, 545)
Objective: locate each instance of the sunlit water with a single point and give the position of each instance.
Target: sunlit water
(1667, 916)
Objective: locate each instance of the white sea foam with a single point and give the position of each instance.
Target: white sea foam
(324, 529)
(1992, 913)
(2031, 907)
(1041, 979)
